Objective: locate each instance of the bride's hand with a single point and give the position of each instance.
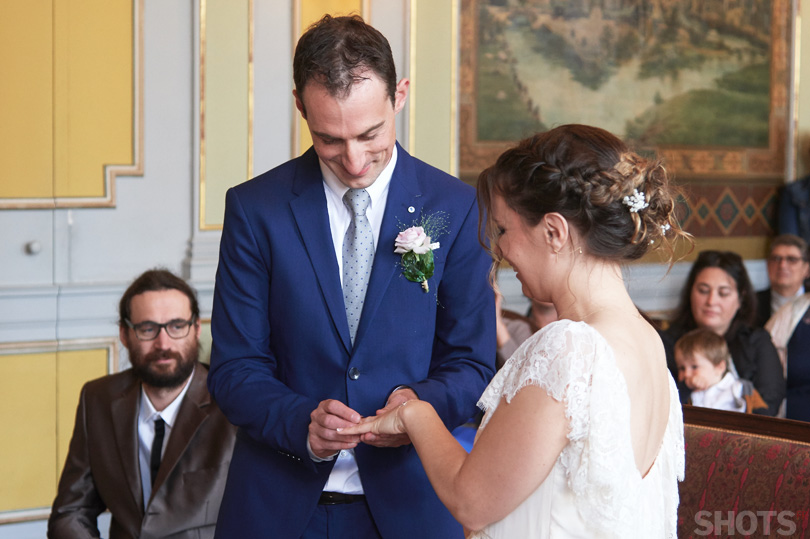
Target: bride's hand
(387, 423)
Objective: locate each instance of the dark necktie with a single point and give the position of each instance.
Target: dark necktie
(358, 254)
(157, 447)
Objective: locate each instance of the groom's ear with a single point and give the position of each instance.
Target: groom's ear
(299, 104)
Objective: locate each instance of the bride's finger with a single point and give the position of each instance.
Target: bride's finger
(361, 428)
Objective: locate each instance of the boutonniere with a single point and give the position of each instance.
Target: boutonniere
(415, 246)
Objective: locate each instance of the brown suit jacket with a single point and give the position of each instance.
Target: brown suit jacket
(102, 472)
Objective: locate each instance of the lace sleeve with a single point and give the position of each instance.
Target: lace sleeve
(575, 365)
(557, 359)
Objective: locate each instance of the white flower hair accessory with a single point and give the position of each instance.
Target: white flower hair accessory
(635, 202)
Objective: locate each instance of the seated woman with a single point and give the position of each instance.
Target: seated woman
(790, 330)
(718, 296)
(583, 433)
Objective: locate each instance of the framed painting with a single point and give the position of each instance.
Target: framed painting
(705, 84)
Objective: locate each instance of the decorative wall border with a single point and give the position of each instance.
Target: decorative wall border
(718, 209)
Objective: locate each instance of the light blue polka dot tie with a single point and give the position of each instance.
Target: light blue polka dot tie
(358, 255)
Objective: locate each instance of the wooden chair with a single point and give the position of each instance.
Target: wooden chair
(746, 476)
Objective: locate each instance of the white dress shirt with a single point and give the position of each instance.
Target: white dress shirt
(146, 434)
(777, 300)
(339, 215)
(724, 395)
(345, 477)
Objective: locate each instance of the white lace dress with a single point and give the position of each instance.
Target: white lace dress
(594, 488)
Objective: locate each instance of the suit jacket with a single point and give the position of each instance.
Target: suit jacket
(102, 472)
(763, 307)
(281, 344)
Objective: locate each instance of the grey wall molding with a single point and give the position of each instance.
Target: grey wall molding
(652, 287)
(56, 313)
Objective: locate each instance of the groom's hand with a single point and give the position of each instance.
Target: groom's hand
(324, 440)
(397, 398)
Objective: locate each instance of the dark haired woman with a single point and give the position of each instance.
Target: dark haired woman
(718, 295)
(583, 434)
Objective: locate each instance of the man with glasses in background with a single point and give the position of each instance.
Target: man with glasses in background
(149, 443)
(787, 270)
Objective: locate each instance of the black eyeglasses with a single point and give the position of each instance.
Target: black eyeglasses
(791, 260)
(148, 331)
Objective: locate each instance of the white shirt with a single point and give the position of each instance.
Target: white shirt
(345, 476)
(339, 215)
(146, 434)
(778, 300)
(724, 395)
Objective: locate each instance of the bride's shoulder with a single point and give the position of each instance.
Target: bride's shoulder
(557, 340)
(552, 358)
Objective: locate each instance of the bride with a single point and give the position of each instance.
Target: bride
(583, 434)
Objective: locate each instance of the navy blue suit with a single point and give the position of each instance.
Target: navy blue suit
(281, 344)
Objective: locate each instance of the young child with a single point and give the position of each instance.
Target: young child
(703, 363)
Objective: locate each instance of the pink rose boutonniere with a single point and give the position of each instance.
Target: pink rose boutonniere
(416, 248)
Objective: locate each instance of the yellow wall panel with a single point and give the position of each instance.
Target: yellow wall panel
(93, 93)
(433, 83)
(226, 118)
(73, 369)
(205, 342)
(311, 11)
(26, 129)
(27, 384)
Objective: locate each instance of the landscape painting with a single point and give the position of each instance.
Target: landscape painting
(703, 82)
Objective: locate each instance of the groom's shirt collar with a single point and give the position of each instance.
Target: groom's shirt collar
(339, 215)
(376, 190)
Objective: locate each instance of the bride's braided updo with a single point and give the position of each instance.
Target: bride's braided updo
(621, 204)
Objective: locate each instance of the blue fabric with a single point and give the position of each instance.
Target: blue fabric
(794, 209)
(465, 436)
(798, 368)
(281, 344)
(346, 521)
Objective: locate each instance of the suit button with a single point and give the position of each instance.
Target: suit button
(354, 373)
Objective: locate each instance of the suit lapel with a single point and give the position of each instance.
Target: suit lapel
(193, 411)
(403, 193)
(125, 427)
(312, 219)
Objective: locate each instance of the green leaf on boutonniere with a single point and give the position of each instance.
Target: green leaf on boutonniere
(417, 268)
(416, 247)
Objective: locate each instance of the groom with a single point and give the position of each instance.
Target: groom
(315, 325)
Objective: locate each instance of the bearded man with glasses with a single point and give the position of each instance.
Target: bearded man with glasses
(788, 269)
(149, 443)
